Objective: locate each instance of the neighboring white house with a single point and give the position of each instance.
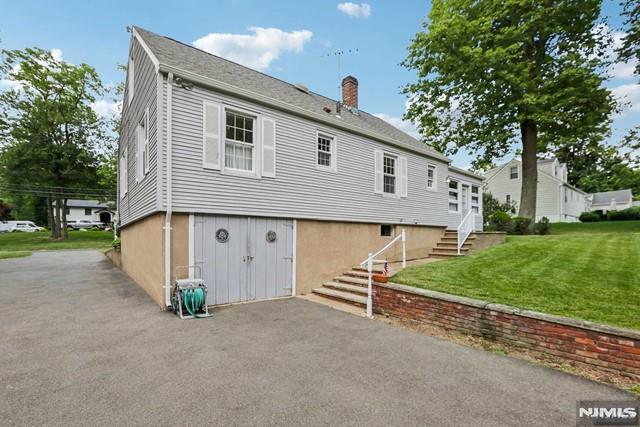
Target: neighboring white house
(266, 188)
(89, 209)
(611, 200)
(556, 198)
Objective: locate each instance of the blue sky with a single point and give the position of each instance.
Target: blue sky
(292, 40)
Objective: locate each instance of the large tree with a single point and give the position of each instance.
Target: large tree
(495, 75)
(50, 132)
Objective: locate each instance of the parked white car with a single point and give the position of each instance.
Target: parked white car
(5, 227)
(85, 224)
(22, 226)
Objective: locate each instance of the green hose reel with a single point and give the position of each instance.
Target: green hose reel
(190, 296)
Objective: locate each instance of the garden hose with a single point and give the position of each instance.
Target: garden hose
(193, 299)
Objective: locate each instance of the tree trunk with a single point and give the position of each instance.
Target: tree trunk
(529, 133)
(65, 232)
(55, 231)
(50, 213)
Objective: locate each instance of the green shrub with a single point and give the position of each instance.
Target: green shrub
(521, 225)
(542, 226)
(589, 217)
(629, 214)
(116, 244)
(501, 221)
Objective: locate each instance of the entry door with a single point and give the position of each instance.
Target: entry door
(244, 259)
(464, 199)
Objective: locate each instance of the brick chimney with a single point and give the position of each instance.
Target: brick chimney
(350, 91)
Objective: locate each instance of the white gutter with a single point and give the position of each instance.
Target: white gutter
(167, 221)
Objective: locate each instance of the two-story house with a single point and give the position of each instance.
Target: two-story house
(265, 188)
(556, 198)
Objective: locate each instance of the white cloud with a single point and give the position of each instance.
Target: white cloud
(57, 54)
(354, 10)
(257, 50)
(620, 70)
(628, 94)
(400, 123)
(104, 108)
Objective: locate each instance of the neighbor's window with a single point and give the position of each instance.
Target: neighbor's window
(508, 198)
(67, 211)
(475, 199)
(513, 172)
(431, 177)
(389, 173)
(87, 211)
(326, 148)
(453, 195)
(386, 230)
(239, 142)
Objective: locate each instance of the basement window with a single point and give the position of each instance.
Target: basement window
(386, 230)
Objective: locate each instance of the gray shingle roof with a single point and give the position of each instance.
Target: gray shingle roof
(185, 57)
(605, 198)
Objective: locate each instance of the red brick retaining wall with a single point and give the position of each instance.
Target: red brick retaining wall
(578, 342)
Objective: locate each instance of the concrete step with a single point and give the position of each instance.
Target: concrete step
(453, 244)
(377, 268)
(438, 254)
(353, 280)
(354, 289)
(358, 274)
(455, 238)
(450, 249)
(342, 296)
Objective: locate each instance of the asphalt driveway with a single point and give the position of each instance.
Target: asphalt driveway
(80, 344)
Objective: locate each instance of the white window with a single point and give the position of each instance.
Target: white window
(130, 80)
(389, 174)
(432, 177)
(87, 211)
(326, 152)
(513, 172)
(123, 175)
(508, 198)
(239, 141)
(475, 199)
(142, 147)
(453, 196)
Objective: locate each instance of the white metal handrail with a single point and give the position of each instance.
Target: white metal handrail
(465, 228)
(371, 259)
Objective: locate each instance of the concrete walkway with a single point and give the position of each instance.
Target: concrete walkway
(82, 345)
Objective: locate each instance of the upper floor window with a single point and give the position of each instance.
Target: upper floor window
(326, 152)
(431, 177)
(389, 174)
(239, 141)
(453, 195)
(87, 211)
(513, 172)
(475, 199)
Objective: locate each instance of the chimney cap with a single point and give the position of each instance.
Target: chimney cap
(349, 78)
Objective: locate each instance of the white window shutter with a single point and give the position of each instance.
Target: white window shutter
(211, 136)
(403, 177)
(378, 179)
(131, 77)
(138, 156)
(146, 141)
(268, 147)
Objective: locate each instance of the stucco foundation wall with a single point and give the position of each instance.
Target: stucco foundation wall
(488, 239)
(325, 249)
(142, 252)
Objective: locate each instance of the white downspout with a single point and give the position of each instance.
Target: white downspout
(167, 222)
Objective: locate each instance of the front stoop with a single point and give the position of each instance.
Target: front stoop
(350, 287)
(447, 247)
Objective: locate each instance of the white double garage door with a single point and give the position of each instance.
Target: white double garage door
(244, 258)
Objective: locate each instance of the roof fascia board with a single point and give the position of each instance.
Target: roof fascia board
(283, 106)
(465, 172)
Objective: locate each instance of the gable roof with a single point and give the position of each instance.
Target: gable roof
(189, 63)
(606, 197)
(489, 174)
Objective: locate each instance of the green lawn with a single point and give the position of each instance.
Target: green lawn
(585, 273)
(14, 254)
(596, 227)
(41, 240)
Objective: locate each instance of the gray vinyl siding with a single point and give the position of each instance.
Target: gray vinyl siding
(299, 189)
(141, 197)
